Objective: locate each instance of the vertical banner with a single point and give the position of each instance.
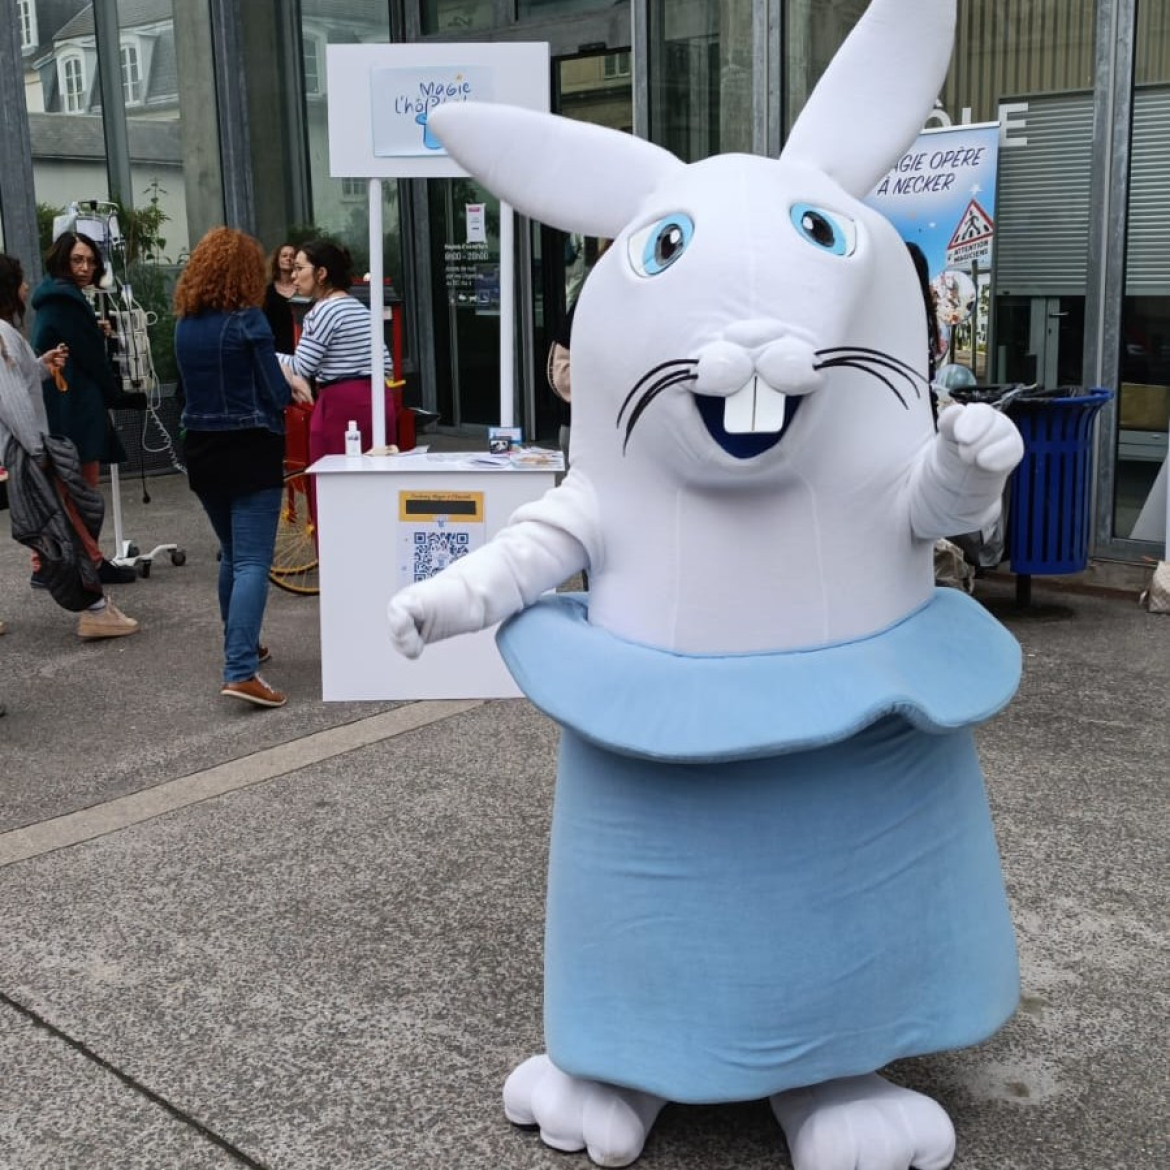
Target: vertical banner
(940, 195)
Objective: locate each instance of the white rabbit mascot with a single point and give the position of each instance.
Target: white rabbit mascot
(772, 869)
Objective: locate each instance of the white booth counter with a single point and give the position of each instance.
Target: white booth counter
(386, 521)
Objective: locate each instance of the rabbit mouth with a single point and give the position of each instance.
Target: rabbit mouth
(744, 424)
(750, 421)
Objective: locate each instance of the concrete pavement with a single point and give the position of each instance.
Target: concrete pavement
(310, 939)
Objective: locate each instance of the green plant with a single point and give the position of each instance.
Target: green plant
(142, 227)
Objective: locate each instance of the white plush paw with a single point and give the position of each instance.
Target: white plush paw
(983, 435)
(574, 1114)
(864, 1123)
(405, 615)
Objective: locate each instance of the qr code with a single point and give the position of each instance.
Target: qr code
(434, 551)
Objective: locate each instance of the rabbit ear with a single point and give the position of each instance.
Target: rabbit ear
(571, 175)
(877, 92)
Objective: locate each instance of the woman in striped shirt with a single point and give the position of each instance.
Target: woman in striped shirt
(334, 350)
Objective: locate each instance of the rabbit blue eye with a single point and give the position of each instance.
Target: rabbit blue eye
(655, 248)
(825, 229)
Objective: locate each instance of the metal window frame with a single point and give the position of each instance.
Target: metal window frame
(17, 189)
(235, 144)
(1105, 293)
(767, 77)
(130, 54)
(640, 64)
(26, 14)
(108, 45)
(68, 93)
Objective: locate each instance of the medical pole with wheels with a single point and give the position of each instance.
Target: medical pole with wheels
(131, 357)
(135, 368)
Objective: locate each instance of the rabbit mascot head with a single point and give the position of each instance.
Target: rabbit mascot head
(772, 868)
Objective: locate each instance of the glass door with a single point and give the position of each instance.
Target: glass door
(1039, 340)
(1143, 409)
(465, 261)
(1140, 494)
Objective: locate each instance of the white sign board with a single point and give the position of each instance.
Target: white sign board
(380, 97)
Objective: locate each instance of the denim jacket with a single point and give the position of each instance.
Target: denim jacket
(231, 378)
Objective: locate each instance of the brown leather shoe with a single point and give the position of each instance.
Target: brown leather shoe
(110, 622)
(254, 690)
(263, 654)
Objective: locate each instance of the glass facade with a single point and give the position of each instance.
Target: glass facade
(457, 16)
(700, 74)
(1065, 296)
(115, 142)
(466, 301)
(285, 49)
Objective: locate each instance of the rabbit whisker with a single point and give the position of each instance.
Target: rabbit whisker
(648, 376)
(865, 369)
(854, 350)
(652, 392)
(879, 357)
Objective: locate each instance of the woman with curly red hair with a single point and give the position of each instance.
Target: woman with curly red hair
(234, 423)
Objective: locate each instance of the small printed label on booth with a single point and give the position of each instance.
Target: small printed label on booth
(436, 529)
(454, 507)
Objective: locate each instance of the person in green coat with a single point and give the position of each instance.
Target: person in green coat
(78, 404)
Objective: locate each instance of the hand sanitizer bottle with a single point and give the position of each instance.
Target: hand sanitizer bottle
(353, 439)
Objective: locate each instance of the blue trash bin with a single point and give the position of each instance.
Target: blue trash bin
(1049, 494)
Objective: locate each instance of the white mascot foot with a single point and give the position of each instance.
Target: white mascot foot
(574, 1114)
(864, 1123)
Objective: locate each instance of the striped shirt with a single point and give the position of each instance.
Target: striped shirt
(335, 342)
(22, 409)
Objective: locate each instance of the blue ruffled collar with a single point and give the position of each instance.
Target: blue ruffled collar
(948, 665)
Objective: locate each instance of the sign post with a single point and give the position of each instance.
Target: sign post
(507, 313)
(377, 303)
(380, 97)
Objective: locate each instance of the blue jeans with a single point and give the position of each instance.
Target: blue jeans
(246, 527)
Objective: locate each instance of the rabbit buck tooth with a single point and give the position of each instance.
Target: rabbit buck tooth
(755, 408)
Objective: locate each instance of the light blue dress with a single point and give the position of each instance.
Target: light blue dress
(769, 870)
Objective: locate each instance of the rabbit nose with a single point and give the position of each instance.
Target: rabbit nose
(722, 368)
(789, 364)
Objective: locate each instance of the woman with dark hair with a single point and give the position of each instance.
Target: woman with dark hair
(23, 421)
(277, 295)
(234, 424)
(334, 350)
(80, 412)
